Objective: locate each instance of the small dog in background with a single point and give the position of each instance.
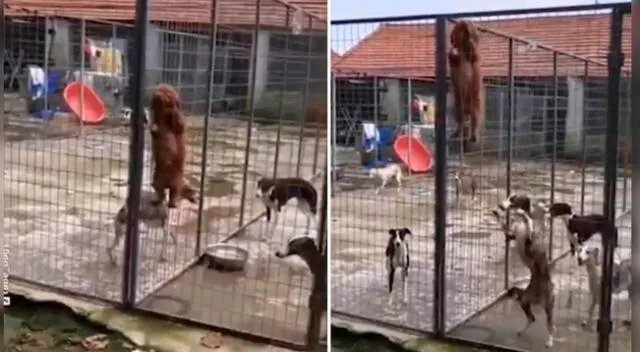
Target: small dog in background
(128, 112)
(397, 255)
(465, 183)
(589, 257)
(169, 147)
(154, 216)
(386, 173)
(466, 77)
(580, 228)
(276, 192)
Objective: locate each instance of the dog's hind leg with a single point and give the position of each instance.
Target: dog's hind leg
(165, 234)
(119, 228)
(384, 183)
(548, 309)
(526, 308)
(174, 197)
(405, 279)
(305, 208)
(159, 188)
(390, 274)
(587, 324)
(399, 180)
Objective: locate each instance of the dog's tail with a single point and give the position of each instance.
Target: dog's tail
(515, 292)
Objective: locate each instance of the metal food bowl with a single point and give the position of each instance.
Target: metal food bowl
(226, 257)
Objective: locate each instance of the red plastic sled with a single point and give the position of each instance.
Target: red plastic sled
(94, 110)
(421, 157)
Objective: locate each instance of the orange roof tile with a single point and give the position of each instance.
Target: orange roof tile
(335, 57)
(409, 50)
(236, 12)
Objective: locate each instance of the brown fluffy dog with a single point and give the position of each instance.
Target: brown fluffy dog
(464, 61)
(169, 147)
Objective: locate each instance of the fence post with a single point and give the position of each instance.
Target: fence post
(83, 63)
(305, 98)
(252, 91)
(319, 124)
(283, 88)
(554, 150)
(635, 163)
(205, 135)
(318, 295)
(410, 118)
(333, 120)
(512, 111)
(136, 156)
(585, 112)
(2, 48)
(614, 63)
(440, 210)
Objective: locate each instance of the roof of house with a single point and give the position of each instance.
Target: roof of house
(236, 12)
(408, 50)
(335, 57)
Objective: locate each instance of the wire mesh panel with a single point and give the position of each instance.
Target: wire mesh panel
(543, 135)
(554, 152)
(66, 150)
(377, 90)
(257, 110)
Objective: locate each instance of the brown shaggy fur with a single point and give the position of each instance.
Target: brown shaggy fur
(464, 62)
(169, 147)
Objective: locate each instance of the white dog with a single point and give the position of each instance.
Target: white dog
(386, 173)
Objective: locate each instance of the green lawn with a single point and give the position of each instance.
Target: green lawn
(38, 327)
(343, 341)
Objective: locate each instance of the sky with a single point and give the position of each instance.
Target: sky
(346, 36)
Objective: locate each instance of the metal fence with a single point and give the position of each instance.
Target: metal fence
(556, 129)
(252, 78)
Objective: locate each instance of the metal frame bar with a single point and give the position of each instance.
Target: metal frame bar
(440, 210)
(622, 6)
(615, 62)
(136, 158)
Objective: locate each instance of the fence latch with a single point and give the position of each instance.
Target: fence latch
(605, 326)
(615, 59)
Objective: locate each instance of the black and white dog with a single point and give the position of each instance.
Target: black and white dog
(397, 254)
(581, 228)
(305, 248)
(276, 192)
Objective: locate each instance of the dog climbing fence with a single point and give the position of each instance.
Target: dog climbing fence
(252, 80)
(555, 129)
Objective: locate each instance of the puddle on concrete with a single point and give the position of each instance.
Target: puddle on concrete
(18, 215)
(470, 234)
(215, 186)
(209, 215)
(73, 211)
(218, 187)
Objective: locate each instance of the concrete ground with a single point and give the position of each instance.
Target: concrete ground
(475, 254)
(62, 193)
